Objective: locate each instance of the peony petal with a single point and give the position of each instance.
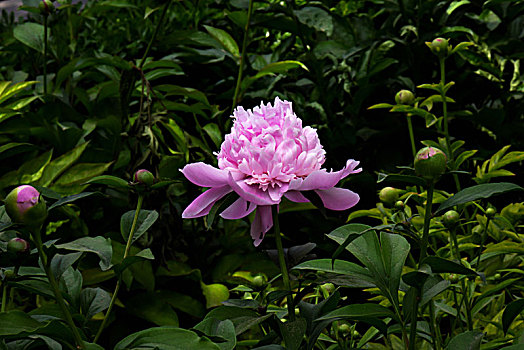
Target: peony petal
(203, 203)
(251, 193)
(296, 196)
(338, 198)
(205, 175)
(262, 223)
(322, 180)
(239, 209)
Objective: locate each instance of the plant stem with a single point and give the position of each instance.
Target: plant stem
(45, 54)
(427, 220)
(433, 325)
(56, 290)
(411, 136)
(482, 239)
(282, 261)
(4, 296)
(160, 21)
(423, 252)
(119, 281)
(243, 55)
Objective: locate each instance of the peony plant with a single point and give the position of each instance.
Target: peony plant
(268, 155)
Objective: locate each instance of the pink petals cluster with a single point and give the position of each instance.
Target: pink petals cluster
(268, 155)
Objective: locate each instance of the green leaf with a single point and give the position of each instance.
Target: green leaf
(215, 294)
(316, 18)
(466, 341)
(224, 39)
(165, 338)
(293, 333)
(60, 263)
(359, 310)
(279, 67)
(93, 301)
(98, 245)
(440, 265)
(15, 322)
(146, 219)
(357, 276)
(7, 89)
(60, 164)
(477, 192)
(511, 311)
(145, 254)
(148, 306)
(345, 235)
(214, 133)
(109, 180)
(213, 327)
(30, 34)
(381, 105)
(69, 199)
(415, 180)
(73, 179)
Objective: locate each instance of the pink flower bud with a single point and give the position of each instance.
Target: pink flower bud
(18, 246)
(430, 163)
(25, 206)
(144, 176)
(450, 218)
(439, 47)
(46, 7)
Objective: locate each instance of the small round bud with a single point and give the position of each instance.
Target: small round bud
(399, 205)
(497, 276)
(453, 278)
(439, 47)
(388, 195)
(404, 97)
(450, 218)
(490, 212)
(430, 163)
(18, 246)
(24, 205)
(344, 328)
(258, 281)
(46, 7)
(144, 177)
(328, 288)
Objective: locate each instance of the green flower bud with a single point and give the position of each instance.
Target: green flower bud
(439, 47)
(399, 205)
(490, 212)
(497, 276)
(24, 205)
(344, 328)
(453, 278)
(388, 195)
(258, 281)
(328, 288)
(144, 177)
(430, 163)
(450, 218)
(46, 7)
(18, 246)
(404, 97)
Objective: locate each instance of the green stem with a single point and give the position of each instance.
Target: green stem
(4, 297)
(445, 106)
(482, 239)
(243, 55)
(282, 261)
(119, 281)
(433, 325)
(411, 136)
(413, 324)
(56, 290)
(427, 220)
(45, 54)
(157, 28)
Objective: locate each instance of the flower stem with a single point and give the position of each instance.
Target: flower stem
(243, 55)
(56, 290)
(119, 281)
(158, 25)
(282, 261)
(411, 136)
(45, 54)
(4, 296)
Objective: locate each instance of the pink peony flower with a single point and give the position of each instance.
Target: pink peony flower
(268, 155)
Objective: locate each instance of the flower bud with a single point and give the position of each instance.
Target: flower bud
(46, 7)
(344, 328)
(399, 205)
(404, 97)
(490, 212)
(144, 177)
(328, 288)
(430, 163)
(259, 281)
(453, 278)
(18, 246)
(388, 195)
(450, 218)
(25, 206)
(439, 47)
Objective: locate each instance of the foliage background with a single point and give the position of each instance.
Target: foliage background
(109, 110)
